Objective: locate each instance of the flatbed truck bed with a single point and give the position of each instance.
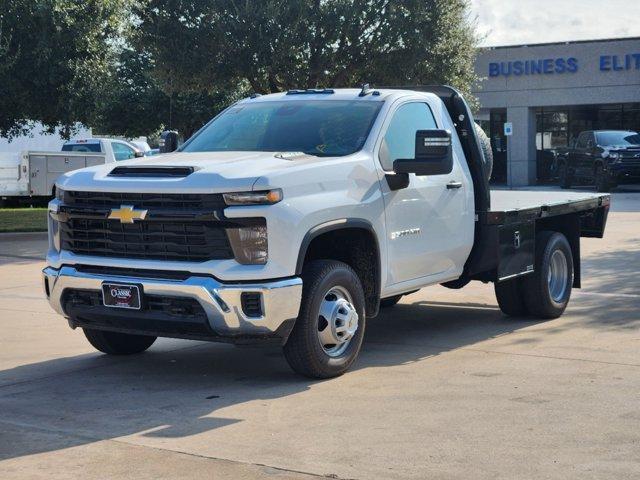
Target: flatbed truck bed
(507, 247)
(509, 206)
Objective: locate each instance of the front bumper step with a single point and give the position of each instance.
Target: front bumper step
(224, 304)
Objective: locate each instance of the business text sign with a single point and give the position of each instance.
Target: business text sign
(562, 65)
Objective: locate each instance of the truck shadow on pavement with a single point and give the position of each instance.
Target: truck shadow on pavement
(180, 389)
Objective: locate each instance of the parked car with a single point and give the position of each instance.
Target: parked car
(604, 158)
(293, 217)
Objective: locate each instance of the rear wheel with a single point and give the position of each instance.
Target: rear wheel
(114, 343)
(548, 288)
(328, 333)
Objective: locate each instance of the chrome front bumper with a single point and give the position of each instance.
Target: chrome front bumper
(220, 301)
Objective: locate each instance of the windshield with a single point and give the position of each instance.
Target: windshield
(321, 128)
(618, 138)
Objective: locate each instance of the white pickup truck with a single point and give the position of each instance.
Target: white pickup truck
(293, 217)
(32, 173)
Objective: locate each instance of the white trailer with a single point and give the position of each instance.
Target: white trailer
(33, 174)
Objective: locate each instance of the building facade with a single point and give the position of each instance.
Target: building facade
(549, 93)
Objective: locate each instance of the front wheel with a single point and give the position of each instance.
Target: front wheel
(548, 288)
(114, 343)
(603, 184)
(563, 176)
(328, 333)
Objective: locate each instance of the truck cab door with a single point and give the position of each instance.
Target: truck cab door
(429, 224)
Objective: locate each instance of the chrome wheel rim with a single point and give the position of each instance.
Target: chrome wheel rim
(337, 321)
(557, 276)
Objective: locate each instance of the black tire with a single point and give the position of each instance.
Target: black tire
(563, 176)
(601, 180)
(510, 296)
(390, 301)
(114, 343)
(303, 349)
(538, 297)
(487, 152)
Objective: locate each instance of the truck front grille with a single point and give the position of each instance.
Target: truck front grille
(631, 162)
(176, 227)
(180, 241)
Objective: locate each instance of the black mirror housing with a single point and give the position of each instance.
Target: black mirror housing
(433, 154)
(168, 141)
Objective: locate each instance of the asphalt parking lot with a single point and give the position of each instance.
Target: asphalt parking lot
(446, 387)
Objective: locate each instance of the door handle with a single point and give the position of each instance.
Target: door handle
(454, 184)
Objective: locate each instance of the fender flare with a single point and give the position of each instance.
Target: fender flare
(344, 224)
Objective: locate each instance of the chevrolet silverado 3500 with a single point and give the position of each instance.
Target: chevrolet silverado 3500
(293, 217)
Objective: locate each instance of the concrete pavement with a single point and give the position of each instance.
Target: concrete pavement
(446, 387)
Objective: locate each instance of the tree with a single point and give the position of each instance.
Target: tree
(55, 58)
(135, 103)
(131, 67)
(276, 45)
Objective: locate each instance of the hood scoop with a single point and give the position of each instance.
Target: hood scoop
(151, 172)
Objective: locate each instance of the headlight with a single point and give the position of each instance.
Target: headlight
(249, 244)
(614, 155)
(266, 197)
(53, 221)
(59, 194)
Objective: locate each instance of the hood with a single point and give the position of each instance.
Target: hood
(213, 172)
(621, 148)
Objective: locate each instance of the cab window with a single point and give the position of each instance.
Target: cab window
(400, 139)
(122, 151)
(584, 140)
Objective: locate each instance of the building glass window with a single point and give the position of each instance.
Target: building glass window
(558, 128)
(497, 119)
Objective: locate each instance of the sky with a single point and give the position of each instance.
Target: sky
(515, 22)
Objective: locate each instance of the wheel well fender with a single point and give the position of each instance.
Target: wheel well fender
(352, 241)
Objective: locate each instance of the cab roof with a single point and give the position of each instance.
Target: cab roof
(351, 94)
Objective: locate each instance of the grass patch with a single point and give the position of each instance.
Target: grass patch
(23, 219)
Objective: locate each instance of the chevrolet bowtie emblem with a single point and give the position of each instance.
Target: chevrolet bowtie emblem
(127, 214)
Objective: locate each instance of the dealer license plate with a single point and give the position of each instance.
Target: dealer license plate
(120, 295)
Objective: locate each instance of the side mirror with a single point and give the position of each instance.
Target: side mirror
(433, 154)
(138, 154)
(168, 141)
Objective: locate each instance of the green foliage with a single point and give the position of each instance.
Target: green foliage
(56, 56)
(132, 67)
(137, 102)
(280, 44)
